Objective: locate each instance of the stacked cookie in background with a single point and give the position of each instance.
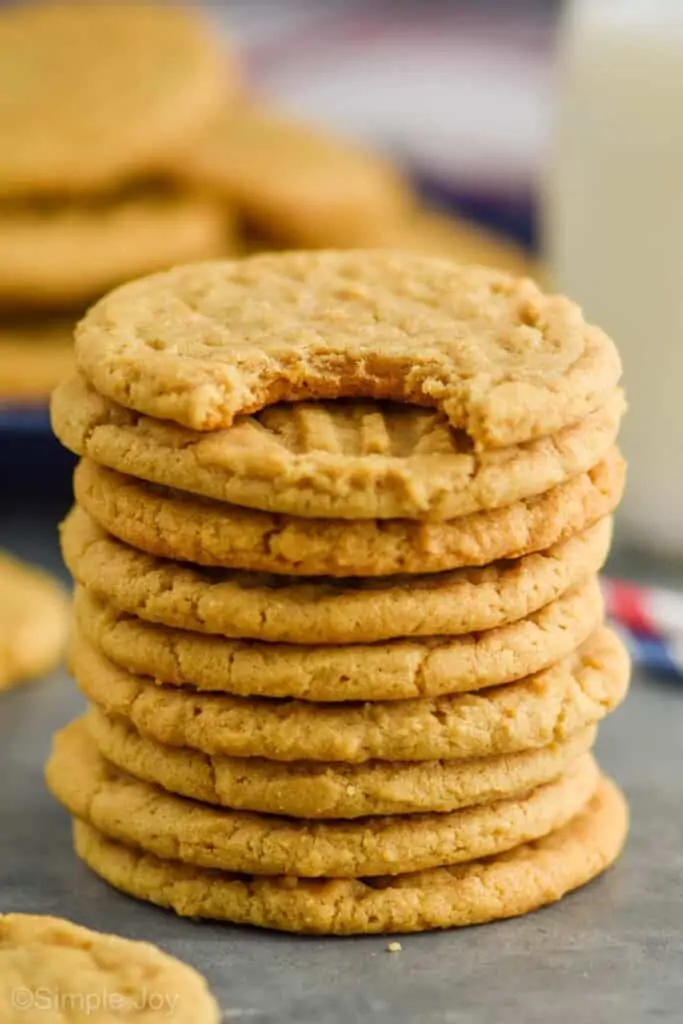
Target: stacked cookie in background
(130, 145)
(292, 185)
(338, 524)
(97, 99)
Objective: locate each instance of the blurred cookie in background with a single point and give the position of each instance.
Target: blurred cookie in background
(435, 233)
(64, 253)
(96, 93)
(95, 98)
(293, 183)
(34, 357)
(130, 146)
(33, 621)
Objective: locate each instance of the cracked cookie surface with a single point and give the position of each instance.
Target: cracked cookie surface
(310, 789)
(397, 670)
(205, 343)
(172, 527)
(345, 459)
(312, 611)
(529, 713)
(506, 885)
(144, 816)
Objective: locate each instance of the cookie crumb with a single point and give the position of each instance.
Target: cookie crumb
(394, 947)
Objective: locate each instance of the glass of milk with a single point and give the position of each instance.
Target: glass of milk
(614, 231)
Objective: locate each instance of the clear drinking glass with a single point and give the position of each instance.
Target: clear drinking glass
(613, 223)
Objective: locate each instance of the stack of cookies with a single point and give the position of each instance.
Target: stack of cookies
(97, 100)
(129, 146)
(338, 527)
(292, 185)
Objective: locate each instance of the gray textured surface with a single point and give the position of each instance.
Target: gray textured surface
(610, 954)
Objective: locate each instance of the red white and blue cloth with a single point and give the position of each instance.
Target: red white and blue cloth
(650, 619)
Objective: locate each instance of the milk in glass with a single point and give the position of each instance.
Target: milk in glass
(614, 230)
